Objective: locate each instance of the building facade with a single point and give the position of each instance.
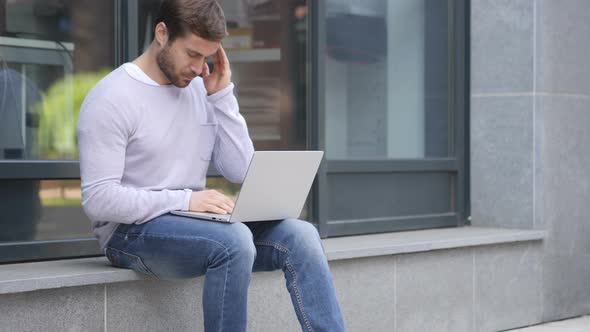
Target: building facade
(451, 197)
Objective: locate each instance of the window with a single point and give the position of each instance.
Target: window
(390, 83)
(55, 51)
(379, 85)
(51, 54)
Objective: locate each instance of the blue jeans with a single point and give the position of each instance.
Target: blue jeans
(174, 247)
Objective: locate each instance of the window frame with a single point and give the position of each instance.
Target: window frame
(456, 166)
(27, 251)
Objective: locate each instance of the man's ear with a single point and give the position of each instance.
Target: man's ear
(161, 36)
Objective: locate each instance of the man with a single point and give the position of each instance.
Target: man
(147, 133)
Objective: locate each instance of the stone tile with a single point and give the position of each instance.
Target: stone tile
(502, 161)
(269, 304)
(565, 208)
(508, 286)
(434, 291)
(501, 46)
(62, 309)
(566, 287)
(562, 46)
(365, 290)
(566, 179)
(161, 305)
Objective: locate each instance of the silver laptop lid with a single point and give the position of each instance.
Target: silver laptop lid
(277, 185)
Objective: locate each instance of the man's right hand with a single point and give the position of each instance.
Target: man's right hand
(210, 201)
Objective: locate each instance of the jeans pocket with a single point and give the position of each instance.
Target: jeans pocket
(207, 138)
(122, 259)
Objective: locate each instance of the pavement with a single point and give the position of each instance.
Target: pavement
(578, 324)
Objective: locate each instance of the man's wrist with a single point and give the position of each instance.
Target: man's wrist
(210, 93)
(213, 97)
(187, 199)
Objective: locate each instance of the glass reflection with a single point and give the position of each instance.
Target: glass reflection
(51, 54)
(41, 210)
(387, 79)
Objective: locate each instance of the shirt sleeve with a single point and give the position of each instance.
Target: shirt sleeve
(233, 147)
(103, 133)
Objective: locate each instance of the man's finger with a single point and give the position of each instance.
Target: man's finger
(215, 209)
(225, 207)
(228, 201)
(205, 71)
(217, 59)
(223, 56)
(220, 200)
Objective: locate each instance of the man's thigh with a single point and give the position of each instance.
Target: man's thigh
(173, 246)
(278, 240)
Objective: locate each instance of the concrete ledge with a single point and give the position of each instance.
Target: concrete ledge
(23, 277)
(424, 240)
(15, 278)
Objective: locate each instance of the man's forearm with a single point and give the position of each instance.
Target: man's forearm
(116, 203)
(235, 148)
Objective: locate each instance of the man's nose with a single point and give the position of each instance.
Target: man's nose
(196, 69)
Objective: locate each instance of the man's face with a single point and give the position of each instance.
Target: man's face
(182, 60)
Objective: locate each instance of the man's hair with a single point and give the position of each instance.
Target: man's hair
(204, 18)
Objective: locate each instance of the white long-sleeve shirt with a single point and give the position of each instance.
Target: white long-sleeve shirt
(145, 147)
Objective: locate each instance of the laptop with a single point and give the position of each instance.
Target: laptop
(275, 187)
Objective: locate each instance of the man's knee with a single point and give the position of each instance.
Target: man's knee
(239, 242)
(305, 236)
(301, 228)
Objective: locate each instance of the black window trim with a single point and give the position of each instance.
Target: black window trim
(456, 166)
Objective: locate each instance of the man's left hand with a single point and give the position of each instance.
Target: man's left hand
(220, 78)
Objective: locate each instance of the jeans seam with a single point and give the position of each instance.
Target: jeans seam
(273, 244)
(298, 295)
(163, 236)
(293, 274)
(139, 259)
(227, 271)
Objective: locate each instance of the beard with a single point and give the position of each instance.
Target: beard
(164, 60)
